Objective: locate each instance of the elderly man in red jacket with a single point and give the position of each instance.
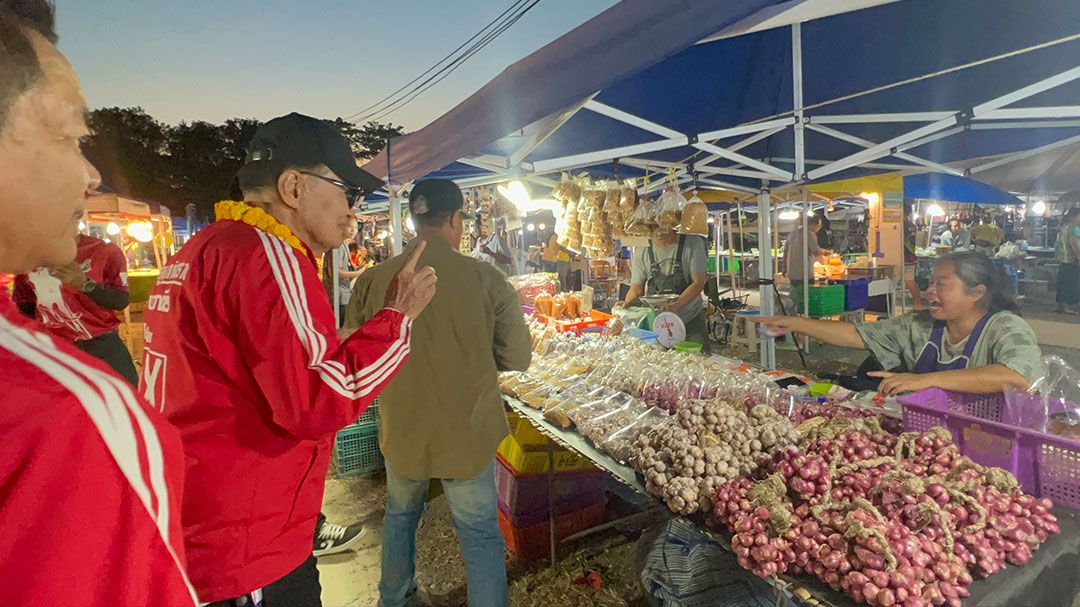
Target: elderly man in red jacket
(90, 479)
(243, 356)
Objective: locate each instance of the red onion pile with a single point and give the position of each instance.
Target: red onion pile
(892, 521)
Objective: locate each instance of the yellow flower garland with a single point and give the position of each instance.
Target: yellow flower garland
(258, 219)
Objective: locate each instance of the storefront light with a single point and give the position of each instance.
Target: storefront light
(935, 210)
(789, 215)
(1039, 207)
(141, 231)
(542, 227)
(531, 227)
(112, 229)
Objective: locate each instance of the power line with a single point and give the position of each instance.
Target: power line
(406, 93)
(439, 77)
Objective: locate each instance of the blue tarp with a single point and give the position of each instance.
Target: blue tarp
(942, 186)
(907, 56)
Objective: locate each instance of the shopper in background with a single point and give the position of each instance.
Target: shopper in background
(795, 265)
(957, 236)
(673, 264)
(78, 302)
(1067, 251)
(557, 260)
(246, 362)
(90, 477)
(339, 260)
(493, 247)
(442, 417)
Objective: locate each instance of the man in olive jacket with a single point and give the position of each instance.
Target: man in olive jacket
(442, 417)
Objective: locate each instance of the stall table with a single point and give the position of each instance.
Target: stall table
(1049, 580)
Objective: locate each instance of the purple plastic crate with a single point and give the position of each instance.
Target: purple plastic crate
(1046, 465)
(856, 293)
(524, 497)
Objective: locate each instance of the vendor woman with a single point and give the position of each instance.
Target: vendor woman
(673, 264)
(970, 339)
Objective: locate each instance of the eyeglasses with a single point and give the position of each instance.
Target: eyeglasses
(353, 194)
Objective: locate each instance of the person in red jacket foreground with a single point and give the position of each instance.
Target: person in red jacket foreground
(78, 302)
(243, 356)
(89, 479)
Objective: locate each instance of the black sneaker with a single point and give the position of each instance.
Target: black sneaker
(332, 539)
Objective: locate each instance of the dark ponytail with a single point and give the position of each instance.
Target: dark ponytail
(976, 269)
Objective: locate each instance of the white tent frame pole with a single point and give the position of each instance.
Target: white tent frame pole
(1025, 154)
(1060, 111)
(483, 164)
(473, 182)
(885, 148)
(808, 266)
(397, 237)
(745, 160)
(879, 118)
(734, 187)
(628, 118)
(1034, 124)
(591, 158)
(746, 129)
(866, 143)
(708, 170)
(765, 274)
(797, 101)
(546, 129)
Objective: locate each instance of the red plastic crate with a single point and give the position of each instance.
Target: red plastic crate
(1045, 464)
(596, 320)
(524, 497)
(530, 542)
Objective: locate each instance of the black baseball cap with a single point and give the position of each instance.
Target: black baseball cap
(296, 140)
(436, 197)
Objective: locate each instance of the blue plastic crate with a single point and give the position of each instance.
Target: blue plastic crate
(356, 450)
(856, 293)
(370, 417)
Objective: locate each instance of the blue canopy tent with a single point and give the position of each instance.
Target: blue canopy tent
(942, 186)
(762, 96)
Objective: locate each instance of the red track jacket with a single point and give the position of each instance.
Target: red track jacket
(90, 481)
(243, 358)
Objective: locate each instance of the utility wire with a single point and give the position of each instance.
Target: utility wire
(459, 55)
(442, 74)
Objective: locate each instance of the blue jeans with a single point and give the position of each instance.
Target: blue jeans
(474, 510)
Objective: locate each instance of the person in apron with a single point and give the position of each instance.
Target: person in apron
(674, 264)
(970, 339)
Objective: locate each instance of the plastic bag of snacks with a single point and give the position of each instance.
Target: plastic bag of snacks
(529, 286)
(598, 429)
(669, 208)
(599, 406)
(641, 220)
(568, 402)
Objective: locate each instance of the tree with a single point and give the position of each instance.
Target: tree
(128, 146)
(369, 139)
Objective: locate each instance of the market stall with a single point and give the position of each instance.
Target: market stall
(826, 498)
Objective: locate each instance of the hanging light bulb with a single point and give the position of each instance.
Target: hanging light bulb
(542, 227)
(112, 229)
(935, 210)
(1039, 207)
(531, 227)
(789, 215)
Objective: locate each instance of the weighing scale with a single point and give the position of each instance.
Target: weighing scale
(669, 328)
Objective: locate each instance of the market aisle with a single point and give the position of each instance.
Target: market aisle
(352, 579)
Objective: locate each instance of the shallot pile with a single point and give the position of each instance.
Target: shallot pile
(890, 520)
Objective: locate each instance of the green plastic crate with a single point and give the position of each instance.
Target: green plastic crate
(356, 450)
(825, 300)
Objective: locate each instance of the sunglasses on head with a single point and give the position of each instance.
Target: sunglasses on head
(353, 194)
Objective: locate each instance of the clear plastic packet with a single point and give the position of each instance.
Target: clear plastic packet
(1051, 404)
(509, 382)
(598, 429)
(599, 406)
(569, 400)
(642, 220)
(620, 444)
(669, 208)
